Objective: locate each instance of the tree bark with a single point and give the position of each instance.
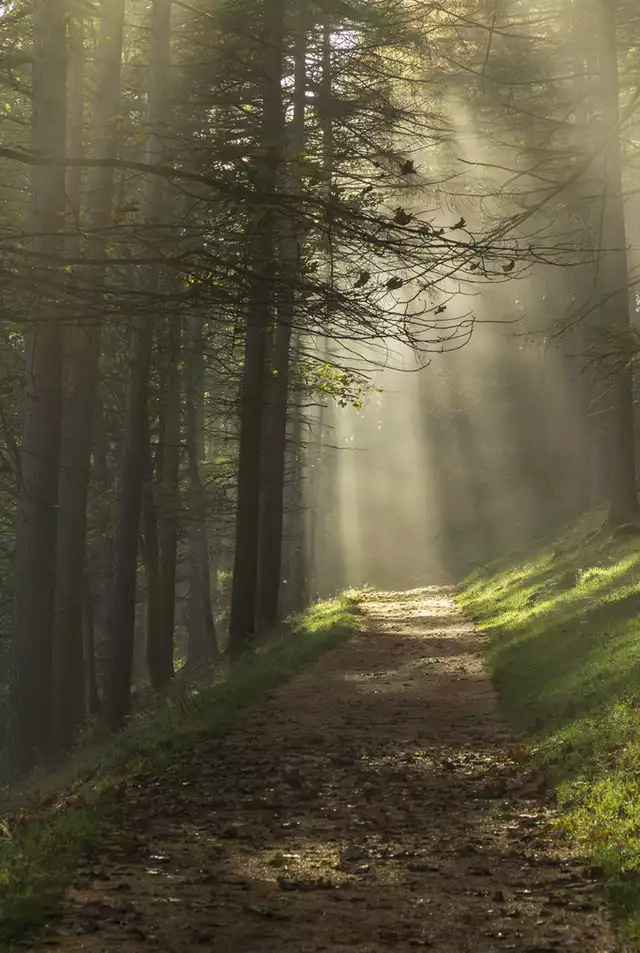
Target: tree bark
(288, 227)
(122, 601)
(69, 700)
(294, 561)
(31, 692)
(169, 500)
(91, 695)
(203, 648)
(151, 555)
(316, 533)
(81, 383)
(623, 494)
(101, 549)
(259, 313)
(123, 594)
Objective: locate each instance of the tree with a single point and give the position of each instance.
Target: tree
(288, 228)
(123, 590)
(31, 707)
(81, 371)
(161, 670)
(623, 492)
(202, 646)
(259, 314)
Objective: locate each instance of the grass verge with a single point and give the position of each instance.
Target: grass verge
(564, 650)
(42, 842)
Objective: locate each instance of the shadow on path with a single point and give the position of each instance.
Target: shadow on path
(373, 803)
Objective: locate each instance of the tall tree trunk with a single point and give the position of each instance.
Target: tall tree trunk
(122, 601)
(316, 544)
(274, 453)
(101, 548)
(591, 490)
(294, 562)
(123, 592)
(624, 498)
(69, 698)
(31, 698)
(259, 313)
(91, 695)
(169, 502)
(203, 647)
(151, 555)
(81, 382)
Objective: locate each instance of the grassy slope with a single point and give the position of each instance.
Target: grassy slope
(564, 649)
(41, 844)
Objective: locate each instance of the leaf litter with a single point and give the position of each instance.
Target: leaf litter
(376, 802)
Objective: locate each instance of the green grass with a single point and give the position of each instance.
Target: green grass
(564, 651)
(60, 820)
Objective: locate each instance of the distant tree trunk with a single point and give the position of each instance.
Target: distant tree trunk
(31, 699)
(169, 499)
(81, 374)
(151, 555)
(276, 417)
(91, 695)
(203, 647)
(75, 118)
(123, 592)
(122, 602)
(591, 490)
(624, 497)
(259, 313)
(294, 561)
(101, 549)
(69, 698)
(316, 532)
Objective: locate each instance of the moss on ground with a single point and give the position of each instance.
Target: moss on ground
(59, 822)
(564, 650)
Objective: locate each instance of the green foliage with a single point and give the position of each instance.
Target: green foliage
(564, 630)
(41, 844)
(329, 382)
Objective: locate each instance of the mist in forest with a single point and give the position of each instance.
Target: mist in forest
(448, 465)
(296, 296)
(501, 429)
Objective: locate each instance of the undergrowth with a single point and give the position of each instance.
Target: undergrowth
(59, 823)
(564, 650)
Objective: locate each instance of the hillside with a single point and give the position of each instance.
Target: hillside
(563, 648)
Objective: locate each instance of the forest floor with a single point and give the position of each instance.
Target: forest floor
(375, 802)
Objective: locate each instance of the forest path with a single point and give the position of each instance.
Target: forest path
(373, 803)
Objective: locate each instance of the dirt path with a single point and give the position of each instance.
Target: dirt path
(371, 804)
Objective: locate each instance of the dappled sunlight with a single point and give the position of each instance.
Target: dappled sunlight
(376, 800)
(304, 864)
(568, 671)
(394, 800)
